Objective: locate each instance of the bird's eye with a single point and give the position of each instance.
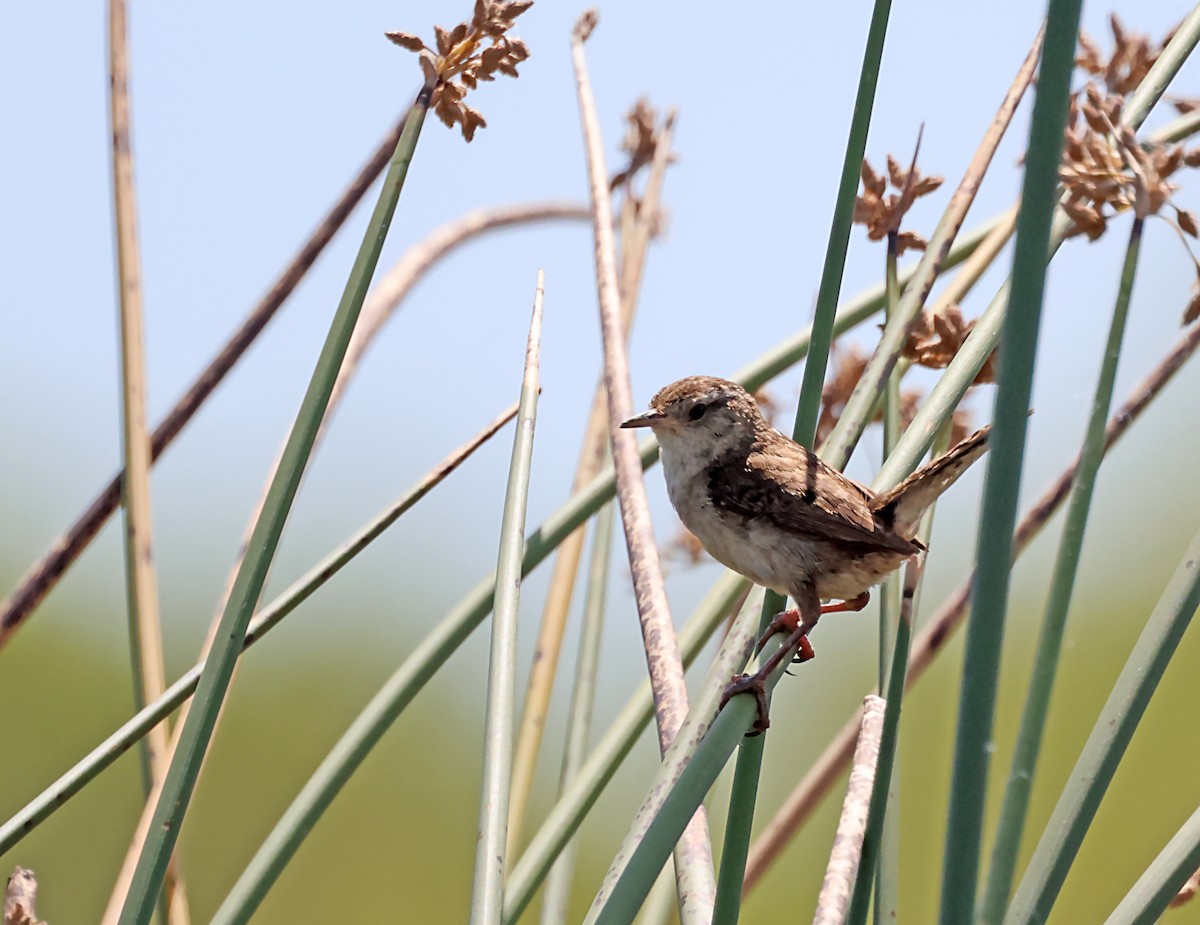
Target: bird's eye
(697, 411)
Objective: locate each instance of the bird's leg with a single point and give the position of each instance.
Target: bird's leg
(796, 644)
(853, 605)
(788, 620)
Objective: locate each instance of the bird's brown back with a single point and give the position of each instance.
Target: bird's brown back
(790, 487)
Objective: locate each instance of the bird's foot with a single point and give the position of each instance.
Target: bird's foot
(796, 647)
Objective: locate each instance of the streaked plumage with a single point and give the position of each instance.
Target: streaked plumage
(768, 508)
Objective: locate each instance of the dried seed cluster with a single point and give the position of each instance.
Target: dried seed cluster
(1107, 170)
(1104, 164)
(848, 369)
(643, 134)
(882, 212)
(467, 54)
(1133, 56)
(937, 335)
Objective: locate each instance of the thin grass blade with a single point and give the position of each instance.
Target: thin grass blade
(557, 894)
(214, 680)
(1156, 889)
(1049, 645)
(487, 894)
(985, 628)
(748, 768)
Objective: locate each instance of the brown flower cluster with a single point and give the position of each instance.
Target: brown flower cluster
(1105, 165)
(467, 54)
(849, 367)
(1133, 56)
(1107, 170)
(882, 212)
(936, 337)
(643, 134)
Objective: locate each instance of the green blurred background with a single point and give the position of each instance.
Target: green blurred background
(246, 126)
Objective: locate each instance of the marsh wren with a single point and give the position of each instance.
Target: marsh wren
(771, 510)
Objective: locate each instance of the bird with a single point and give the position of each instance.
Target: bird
(770, 509)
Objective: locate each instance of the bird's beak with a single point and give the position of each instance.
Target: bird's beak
(645, 419)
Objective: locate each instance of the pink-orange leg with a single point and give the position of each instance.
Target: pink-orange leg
(853, 605)
(786, 621)
(796, 646)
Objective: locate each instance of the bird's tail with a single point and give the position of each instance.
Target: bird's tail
(905, 503)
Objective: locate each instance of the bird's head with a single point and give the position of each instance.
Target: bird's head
(703, 415)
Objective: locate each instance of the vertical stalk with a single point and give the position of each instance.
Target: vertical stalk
(1049, 646)
(557, 894)
(985, 629)
(145, 630)
(882, 805)
(636, 233)
(487, 894)
(886, 886)
(748, 767)
(141, 582)
(693, 854)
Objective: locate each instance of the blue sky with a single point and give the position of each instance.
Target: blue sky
(248, 123)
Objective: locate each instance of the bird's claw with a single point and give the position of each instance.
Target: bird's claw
(804, 653)
(750, 683)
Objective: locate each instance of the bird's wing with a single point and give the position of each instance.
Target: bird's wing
(810, 500)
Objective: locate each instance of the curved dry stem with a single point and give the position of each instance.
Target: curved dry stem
(831, 764)
(693, 856)
(380, 305)
(44, 574)
(637, 229)
(394, 286)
